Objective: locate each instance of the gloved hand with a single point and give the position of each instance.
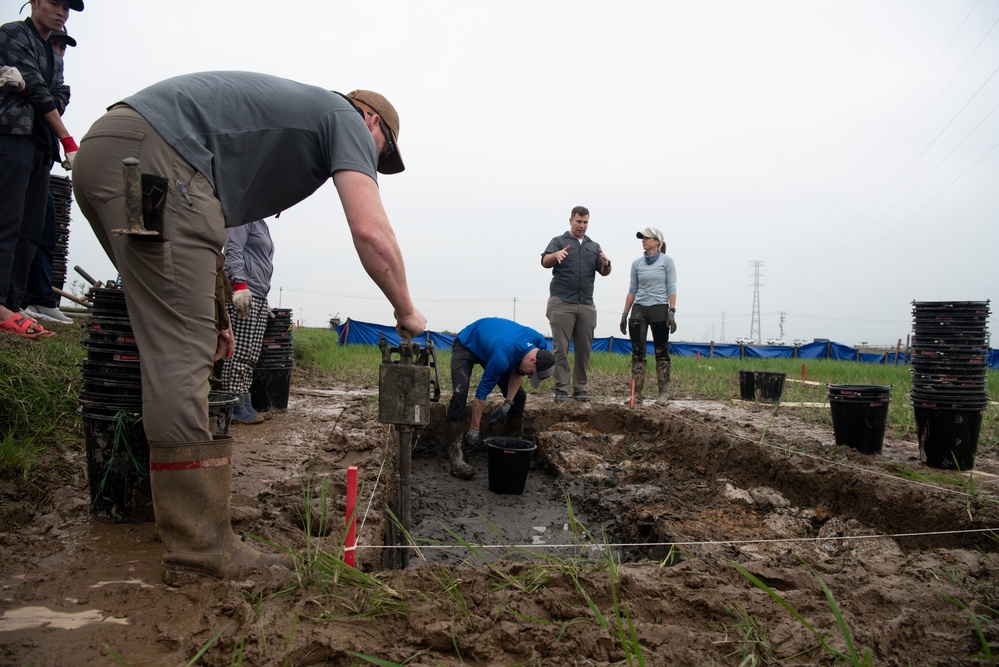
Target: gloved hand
(501, 413)
(624, 323)
(270, 315)
(11, 79)
(242, 300)
(672, 320)
(70, 148)
(472, 437)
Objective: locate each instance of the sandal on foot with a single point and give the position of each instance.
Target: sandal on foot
(43, 332)
(24, 326)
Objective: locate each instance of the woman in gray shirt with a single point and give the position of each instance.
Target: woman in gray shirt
(651, 301)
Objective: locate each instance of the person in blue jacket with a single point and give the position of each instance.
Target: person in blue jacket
(508, 352)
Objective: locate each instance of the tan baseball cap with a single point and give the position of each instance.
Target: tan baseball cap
(392, 163)
(653, 233)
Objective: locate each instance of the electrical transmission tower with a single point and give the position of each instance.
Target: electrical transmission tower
(754, 328)
(783, 315)
(721, 337)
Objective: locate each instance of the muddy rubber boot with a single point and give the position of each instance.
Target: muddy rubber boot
(191, 484)
(452, 437)
(638, 375)
(662, 379)
(243, 412)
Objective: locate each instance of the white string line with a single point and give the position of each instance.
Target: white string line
(775, 540)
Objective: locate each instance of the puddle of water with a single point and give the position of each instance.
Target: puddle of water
(43, 617)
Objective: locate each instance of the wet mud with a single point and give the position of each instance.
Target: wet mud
(679, 495)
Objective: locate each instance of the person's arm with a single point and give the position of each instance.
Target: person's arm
(478, 407)
(605, 264)
(376, 245)
(552, 258)
(629, 301)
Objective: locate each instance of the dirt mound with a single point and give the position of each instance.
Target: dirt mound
(628, 541)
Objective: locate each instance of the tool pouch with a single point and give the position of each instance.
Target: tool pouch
(154, 194)
(223, 293)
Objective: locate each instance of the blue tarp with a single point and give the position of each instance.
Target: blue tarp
(352, 332)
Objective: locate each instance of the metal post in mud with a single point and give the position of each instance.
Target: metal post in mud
(407, 382)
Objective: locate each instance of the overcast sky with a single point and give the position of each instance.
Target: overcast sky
(849, 147)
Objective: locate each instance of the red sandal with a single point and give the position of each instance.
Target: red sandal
(24, 326)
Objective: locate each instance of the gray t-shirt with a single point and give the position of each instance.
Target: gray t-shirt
(653, 283)
(265, 143)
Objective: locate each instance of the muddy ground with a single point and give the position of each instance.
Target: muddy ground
(679, 495)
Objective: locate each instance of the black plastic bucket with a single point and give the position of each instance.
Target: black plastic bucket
(747, 388)
(948, 439)
(509, 463)
(761, 386)
(220, 407)
(270, 389)
(859, 419)
(117, 466)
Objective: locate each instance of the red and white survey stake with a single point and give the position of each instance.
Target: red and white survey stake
(350, 544)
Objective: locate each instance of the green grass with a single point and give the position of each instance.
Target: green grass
(714, 378)
(39, 383)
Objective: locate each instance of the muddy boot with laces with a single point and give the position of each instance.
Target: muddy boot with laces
(452, 437)
(191, 485)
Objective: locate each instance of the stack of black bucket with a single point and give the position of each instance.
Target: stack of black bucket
(950, 351)
(61, 188)
(272, 374)
(111, 406)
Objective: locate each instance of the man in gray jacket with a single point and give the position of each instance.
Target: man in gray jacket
(574, 259)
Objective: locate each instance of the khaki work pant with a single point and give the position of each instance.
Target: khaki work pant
(169, 281)
(571, 322)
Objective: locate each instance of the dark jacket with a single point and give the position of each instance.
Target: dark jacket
(22, 47)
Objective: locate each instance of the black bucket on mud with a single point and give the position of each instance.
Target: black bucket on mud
(270, 389)
(859, 415)
(948, 439)
(509, 463)
(117, 465)
(761, 386)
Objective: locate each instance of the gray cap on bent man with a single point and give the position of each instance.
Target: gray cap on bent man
(544, 367)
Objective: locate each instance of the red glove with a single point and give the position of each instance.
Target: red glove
(69, 147)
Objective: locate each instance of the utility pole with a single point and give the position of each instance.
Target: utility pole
(754, 327)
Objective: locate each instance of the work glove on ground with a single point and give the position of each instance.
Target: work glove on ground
(501, 413)
(242, 300)
(624, 323)
(472, 437)
(11, 79)
(672, 320)
(70, 148)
